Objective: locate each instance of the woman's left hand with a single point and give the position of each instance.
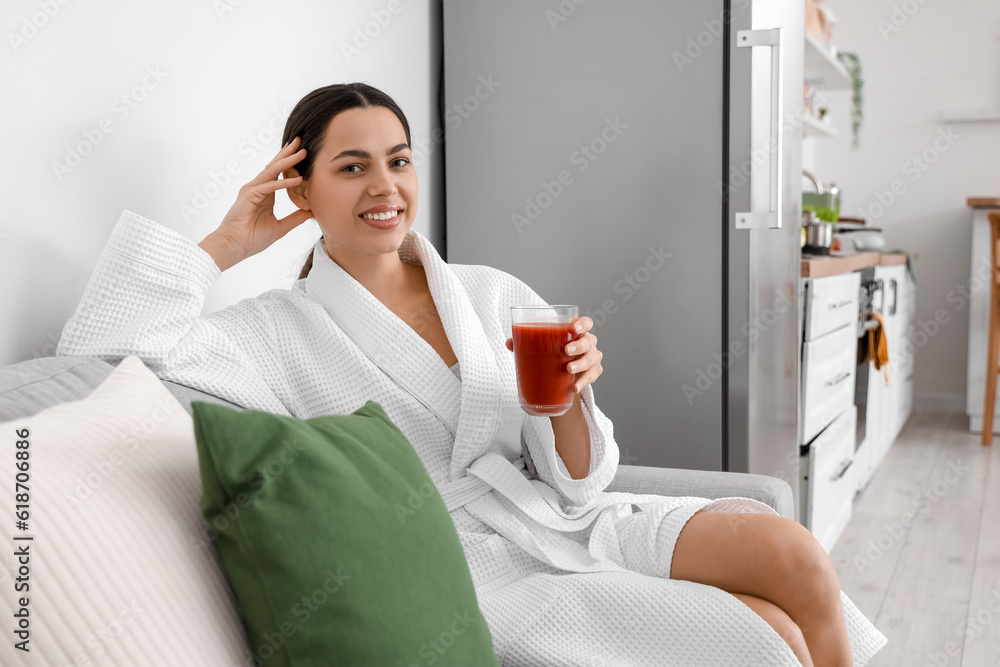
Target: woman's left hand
(586, 362)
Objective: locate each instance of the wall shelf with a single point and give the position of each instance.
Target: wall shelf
(814, 127)
(820, 65)
(976, 116)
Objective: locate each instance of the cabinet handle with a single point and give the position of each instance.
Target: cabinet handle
(843, 470)
(879, 287)
(895, 295)
(841, 304)
(837, 380)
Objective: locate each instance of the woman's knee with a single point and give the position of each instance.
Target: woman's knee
(803, 559)
(764, 555)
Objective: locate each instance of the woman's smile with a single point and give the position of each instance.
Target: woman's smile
(385, 216)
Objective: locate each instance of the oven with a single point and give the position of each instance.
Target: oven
(872, 296)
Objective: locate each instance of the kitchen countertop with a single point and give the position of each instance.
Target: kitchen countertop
(819, 266)
(983, 202)
(891, 258)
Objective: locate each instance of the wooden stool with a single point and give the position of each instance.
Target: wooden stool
(993, 334)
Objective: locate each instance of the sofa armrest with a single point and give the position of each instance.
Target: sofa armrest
(704, 484)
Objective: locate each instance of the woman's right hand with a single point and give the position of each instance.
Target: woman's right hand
(250, 226)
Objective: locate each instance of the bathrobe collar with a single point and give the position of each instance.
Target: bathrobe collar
(470, 407)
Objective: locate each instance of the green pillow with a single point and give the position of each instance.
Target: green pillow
(335, 541)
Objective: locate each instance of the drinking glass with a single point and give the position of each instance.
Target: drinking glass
(541, 333)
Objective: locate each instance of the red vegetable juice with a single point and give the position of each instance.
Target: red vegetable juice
(544, 384)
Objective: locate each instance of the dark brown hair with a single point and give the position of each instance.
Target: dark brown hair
(311, 116)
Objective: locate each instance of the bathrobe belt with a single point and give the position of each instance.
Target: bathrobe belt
(458, 492)
(533, 497)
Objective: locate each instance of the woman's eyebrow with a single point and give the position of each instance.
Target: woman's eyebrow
(357, 152)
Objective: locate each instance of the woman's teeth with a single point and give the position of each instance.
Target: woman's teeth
(389, 215)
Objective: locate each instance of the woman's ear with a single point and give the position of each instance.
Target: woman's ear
(297, 193)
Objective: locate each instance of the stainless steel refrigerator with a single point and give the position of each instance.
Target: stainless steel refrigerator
(643, 160)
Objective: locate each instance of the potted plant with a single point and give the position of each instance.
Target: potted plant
(852, 64)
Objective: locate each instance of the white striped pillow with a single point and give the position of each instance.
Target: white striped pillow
(121, 570)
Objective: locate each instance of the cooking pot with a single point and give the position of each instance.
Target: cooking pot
(819, 234)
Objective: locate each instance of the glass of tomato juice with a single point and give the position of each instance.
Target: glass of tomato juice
(541, 333)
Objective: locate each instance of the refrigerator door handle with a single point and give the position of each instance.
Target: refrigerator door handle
(770, 219)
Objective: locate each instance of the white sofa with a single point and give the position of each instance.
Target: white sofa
(84, 569)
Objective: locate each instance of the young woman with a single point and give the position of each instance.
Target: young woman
(565, 573)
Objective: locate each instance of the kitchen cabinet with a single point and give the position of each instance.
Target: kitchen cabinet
(889, 402)
(833, 464)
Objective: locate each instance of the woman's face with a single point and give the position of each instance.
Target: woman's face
(363, 172)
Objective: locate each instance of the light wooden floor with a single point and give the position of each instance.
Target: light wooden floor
(921, 554)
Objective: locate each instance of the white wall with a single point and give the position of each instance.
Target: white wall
(182, 89)
(921, 58)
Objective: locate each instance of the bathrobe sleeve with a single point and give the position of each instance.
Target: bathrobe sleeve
(539, 442)
(145, 298)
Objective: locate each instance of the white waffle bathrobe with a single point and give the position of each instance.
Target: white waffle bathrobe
(565, 573)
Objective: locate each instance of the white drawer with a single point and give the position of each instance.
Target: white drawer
(828, 483)
(828, 369)
(831, 303)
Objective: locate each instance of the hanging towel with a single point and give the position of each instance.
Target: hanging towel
(909, 261)
(878, 346)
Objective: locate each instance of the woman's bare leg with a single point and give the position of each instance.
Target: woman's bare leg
(782, 624)
(772, 558)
